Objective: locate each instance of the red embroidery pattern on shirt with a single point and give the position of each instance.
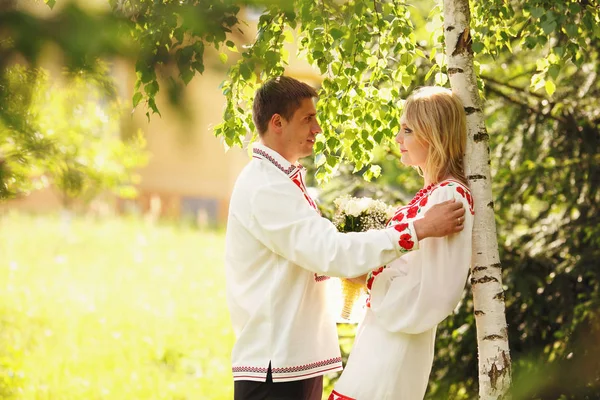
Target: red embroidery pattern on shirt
(295, 174)
(324, 363)
(338, 396)
(287, 370)
(371, 276)
(406, 242)
(257, 370)
(400, 227)
(266, 155)
(464, 191)
(412, 212)
(297, 179)
(399, 216)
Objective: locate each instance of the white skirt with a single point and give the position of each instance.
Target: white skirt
(386, 365)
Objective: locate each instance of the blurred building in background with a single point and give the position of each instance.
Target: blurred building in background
(189, 174)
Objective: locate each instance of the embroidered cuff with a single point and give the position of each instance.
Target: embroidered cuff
(404, 237)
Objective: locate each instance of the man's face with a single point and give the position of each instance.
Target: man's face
(299, 132)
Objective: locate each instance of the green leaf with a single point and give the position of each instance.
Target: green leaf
(332, 161)
(332, 143)
(548, 27)
(431, 70)
(319, 147)
(186, 75)
(477, 47)
(151, 88)
(245, 71)
(575, 8)
(223, 57)
(571, 30)
(198, 66)
(137, 97)
(553, 71)
(531, 41)
(550, 87)
(50, 3)
(336, 33)
(153, 107)
(374, 171)
(537, 12)
(559, 51)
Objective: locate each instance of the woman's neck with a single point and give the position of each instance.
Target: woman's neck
(430, 181)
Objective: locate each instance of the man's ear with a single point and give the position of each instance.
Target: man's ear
(276, 122)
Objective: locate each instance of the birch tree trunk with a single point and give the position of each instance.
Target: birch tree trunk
(486, 271)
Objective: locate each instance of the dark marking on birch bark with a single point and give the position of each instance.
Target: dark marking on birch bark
(493, 337)
(452, 71)
(471, 110)
(507, 363)
(499, 296)
(496, 265)
(478, 268)
(450, 28)
(490, 204)
(485, 279)
(481, 136)
(478, 313)
(475, 177)
(463, 44)
(496, 373)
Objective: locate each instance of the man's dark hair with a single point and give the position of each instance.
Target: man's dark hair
(281, 95)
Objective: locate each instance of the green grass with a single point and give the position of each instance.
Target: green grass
(111, 309)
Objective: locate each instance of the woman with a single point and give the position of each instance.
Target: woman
(393, 350)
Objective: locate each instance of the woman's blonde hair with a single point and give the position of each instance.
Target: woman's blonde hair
(437, 117)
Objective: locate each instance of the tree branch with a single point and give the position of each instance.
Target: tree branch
(523, 104)
(510, 86)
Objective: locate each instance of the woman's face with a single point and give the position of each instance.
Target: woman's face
(414, 151)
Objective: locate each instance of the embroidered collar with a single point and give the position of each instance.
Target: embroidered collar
(263, 152)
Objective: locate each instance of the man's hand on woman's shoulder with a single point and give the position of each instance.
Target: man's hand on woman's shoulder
(441, 220)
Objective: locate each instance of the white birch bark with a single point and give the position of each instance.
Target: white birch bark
(486, 271)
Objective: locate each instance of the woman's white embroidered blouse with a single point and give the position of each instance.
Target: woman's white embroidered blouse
(393, 351)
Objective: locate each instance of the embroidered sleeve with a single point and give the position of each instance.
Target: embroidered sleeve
(413, 295)
(405, 236)
(284, 222)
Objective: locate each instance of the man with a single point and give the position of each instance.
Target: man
(279, 250)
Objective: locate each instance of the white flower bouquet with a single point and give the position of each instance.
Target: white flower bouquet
(354, 214)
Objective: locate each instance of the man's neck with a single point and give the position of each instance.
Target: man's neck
(279, 150)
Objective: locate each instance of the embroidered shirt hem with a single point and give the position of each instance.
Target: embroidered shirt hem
(287, 374)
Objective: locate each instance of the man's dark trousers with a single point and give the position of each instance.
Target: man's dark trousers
(306, 389)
